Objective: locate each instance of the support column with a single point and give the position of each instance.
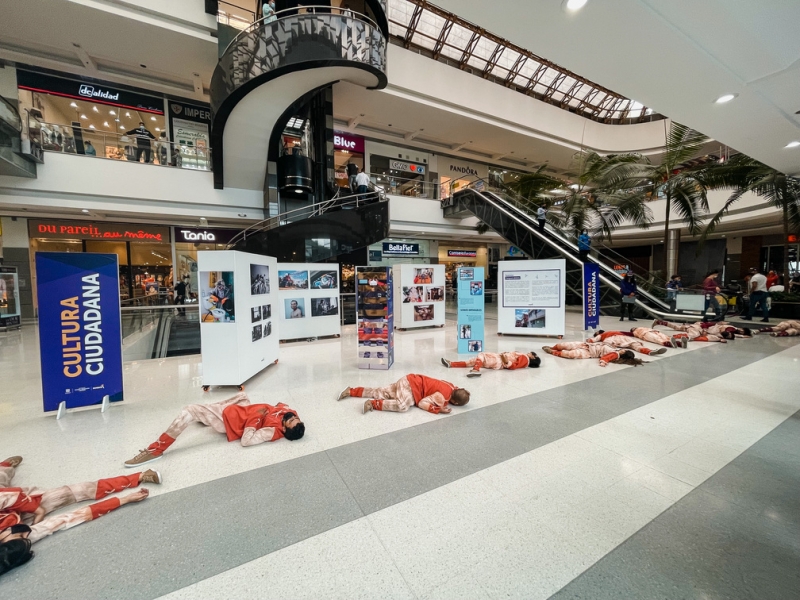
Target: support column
(672, 247)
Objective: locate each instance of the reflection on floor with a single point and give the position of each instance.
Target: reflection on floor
(514, 495)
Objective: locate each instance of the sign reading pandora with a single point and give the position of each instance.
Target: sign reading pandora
(80, 332)
(351, 143)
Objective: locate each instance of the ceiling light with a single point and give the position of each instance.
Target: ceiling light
(91, 126)
(105, 124)
(152, 118)
(112, 113)
(73, 105)
(84, 117)
(793, 144)
(574, 5)
(122, 126)
(94, 108)
(158, 129)
(725, 98)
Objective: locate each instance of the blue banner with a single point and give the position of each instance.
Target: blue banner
(470, 309)
(591, 295)
(80, 331)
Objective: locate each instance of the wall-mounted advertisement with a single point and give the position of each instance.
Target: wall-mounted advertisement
(470, 326)
(80, 331)
(532, 296)
(217, 302)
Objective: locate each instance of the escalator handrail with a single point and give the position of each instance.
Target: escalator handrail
(604, 278)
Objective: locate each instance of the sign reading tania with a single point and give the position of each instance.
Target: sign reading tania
(80, 332)
(217, 236)
(105, 231)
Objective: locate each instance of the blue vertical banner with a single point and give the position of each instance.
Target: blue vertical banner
(591, 295)
(80, 330)
(470, 309)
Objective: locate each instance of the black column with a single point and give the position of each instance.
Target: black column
(321, 117)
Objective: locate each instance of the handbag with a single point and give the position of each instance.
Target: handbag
(629, 299)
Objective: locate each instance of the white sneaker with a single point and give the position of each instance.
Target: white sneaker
(474, 373)
(368, 406)
(655, 322)
(345, 393)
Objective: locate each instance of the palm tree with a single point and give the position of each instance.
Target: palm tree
(744, 174)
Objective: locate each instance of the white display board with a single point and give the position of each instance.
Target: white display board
(237, 296)
(531, 297)
(418, 295)
(314, 289)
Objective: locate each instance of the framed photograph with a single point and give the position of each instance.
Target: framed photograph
(475, 346)
(324, 280)
(476, 288)
(423, 276)
(259, 279)
(293, 280)
(257, 331)
(295, 308)
(531, 318)
(267, 328)
(434, 294)
(466, 274)
(423, 312)
(465, 332)
(266, 311)
(324, 307)
(217, 303)
(414, 293)
(255, 314)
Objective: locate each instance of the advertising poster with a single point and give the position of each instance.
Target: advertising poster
(470, 310)
(216, 297)
(591, 295)
(80, 331)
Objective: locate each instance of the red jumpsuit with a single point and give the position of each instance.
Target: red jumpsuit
(656, 337)
(492, 360)
(427, 393)
(18, 504)
(622, 339)
(700, 331)
(577, 350)
(789, 328)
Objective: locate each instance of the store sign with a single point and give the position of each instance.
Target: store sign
(591, 295)
(404, 249)
(211, 236)
(190, 112)
(456, 169)
(463, 170)
(351, 143)
(100, 231)
(408, 167)
(80, 331)
(94, 91)
(462, 253)
(621, 269)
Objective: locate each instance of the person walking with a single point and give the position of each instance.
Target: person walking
(584, 245)
(362, 185)
(758, 295)
(352, 174)
(541, 216)
(674, 285)
(711, 289)
(628, 290)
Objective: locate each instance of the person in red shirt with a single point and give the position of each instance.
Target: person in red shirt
(432, 395)
(235, 417)
(492, 360)
(772, 279)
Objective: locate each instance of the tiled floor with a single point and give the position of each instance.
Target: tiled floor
(517, 494)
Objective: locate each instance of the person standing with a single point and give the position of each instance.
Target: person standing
(711, 289)
(362, 184)
(758, 295)
(352, 174)
(268, 12)
(584, 245)
(541, 216)
(180, 295)
(674, 286)
(628, 290)
(143, 137)
(88, 149)
(772, 279)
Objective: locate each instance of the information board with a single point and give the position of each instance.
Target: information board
(532, 296)
(591, 295)
(470, 329)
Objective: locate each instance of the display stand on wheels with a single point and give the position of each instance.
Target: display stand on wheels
(375, 316)
(238, 334)
(308, 301)
(532, 297)
(419, 290)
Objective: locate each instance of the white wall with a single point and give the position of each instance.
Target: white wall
(172, 14)
(15, 233)
(411, 217)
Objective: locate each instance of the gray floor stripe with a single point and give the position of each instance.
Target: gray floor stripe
(176, 539)
(736, 536)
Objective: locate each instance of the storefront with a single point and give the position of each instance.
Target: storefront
(455, 174)
(392, 251)
(459, 254)
(347, 149)
(144, 252)
(92, 118)
(190, 126)
(400, 171)
(190, 240)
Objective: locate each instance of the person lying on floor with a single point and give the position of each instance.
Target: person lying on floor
(605, 353)
(721, 329)
(694, 332)
(24, 510)
(789, 328)
(656, 337)
(493, 360)
(432, 395)
(623, 339)
(235, 417)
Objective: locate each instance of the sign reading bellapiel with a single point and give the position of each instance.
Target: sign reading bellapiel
(80, 331)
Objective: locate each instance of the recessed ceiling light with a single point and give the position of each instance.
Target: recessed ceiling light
(84, 117)
(574, 5)
(94, 108)
(73, 105)
(158, 129)
(91, 126)
(793, 144)
(105, 124)
(112, 113)
(152, 118)
(725, 98)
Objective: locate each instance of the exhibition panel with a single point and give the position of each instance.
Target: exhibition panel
(421, 288)
(9, 297)
(532, 297)
(237, 333)
(470, 309)
(375, 317)
(308, 300)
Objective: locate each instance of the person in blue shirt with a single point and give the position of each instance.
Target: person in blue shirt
(674, 286)
(584, 245)
(628, 289)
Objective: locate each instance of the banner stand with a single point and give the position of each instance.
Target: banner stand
(62, 406)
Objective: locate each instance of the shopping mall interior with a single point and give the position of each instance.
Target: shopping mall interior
(234, 233)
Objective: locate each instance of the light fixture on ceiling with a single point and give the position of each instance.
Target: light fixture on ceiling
(112, 113)
(91, 126)
(158, 129)
(84, 117)
(574, 5)
(725, 99)
(73, 105)
(95, 109)
(122, 127)
(105, 124)
(793, 144)
(127, 114)
(152, 118)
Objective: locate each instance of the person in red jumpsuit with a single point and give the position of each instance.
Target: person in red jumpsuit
(250, 423)
(493, 360)
(432, 395)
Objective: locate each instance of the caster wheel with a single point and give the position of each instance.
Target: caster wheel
(276, 362)
(241, 388)
(205, 388)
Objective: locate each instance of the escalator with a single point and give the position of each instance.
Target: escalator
(508, 217)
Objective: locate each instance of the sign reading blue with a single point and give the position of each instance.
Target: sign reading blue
(80, 332)
(591, 295)
(470, 310)
(400, 249)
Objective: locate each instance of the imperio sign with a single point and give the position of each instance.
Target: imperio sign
(84, 230)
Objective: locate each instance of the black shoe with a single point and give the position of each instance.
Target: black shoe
(765, 320)
(622, 319)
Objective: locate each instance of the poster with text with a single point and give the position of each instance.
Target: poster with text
(470, 310)
(532, 297)
(80, 331)
(532, 288)
(217, 303)
(591, 295)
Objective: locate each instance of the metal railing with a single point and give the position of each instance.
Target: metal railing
(234, 15)
(10, 115)
(98, 143)
(402, 186)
